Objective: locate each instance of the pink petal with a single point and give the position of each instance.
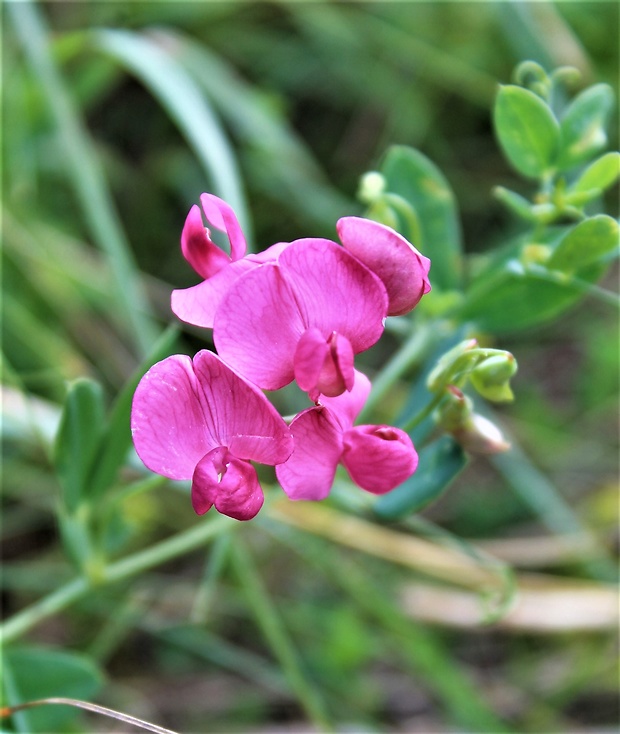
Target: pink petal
(310, 355)
(335, 292)
(222, 217)
(309, 473)
(346, 407)
(228, 483)
(378, 458)
(242, 417)
(200, 252)
(257, 327)
(167, 419)
(183, 410)
(197, 305)
(403, 270)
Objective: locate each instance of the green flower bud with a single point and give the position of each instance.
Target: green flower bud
(491, 377)
(372, 187)
(455, 410)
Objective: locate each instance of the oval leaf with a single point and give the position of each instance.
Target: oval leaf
(583, 125)
(599, 175)
(526, 129)
(586, 243)
(416, 179)
(439, 465)
(33, 672)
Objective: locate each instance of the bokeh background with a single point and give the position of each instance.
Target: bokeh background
(280, 107)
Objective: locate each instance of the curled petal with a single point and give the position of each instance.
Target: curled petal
(229, 484)
(310, 354)
(378, 458)
(402, 269)
(200, 252)
(197, 305)
(222, 217)
(335, 291)
(309, 472)
(257, 327)
(323, 367)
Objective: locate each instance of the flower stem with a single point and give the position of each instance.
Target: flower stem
(71, 592)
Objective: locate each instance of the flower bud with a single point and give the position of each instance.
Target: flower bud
(491, 377)
(480, 436)
(455, 410)
(372, 186)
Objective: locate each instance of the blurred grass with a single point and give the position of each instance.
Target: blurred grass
(113, 121)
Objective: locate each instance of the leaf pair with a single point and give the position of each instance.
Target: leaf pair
(536, 143)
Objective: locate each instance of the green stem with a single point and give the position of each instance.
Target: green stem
(405, 357)
(277, 636)
(560, 278)
(68, 594)
(84, 170)
(422, 414)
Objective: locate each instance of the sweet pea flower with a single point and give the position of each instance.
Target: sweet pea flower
(197, 419)
(197, 305)
(377, 458)
(402, 269)
(302, 317)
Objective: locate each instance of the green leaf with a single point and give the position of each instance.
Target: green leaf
(601, 174)
(439, 465)
(509, 296)
(518, 204)
(585, 244)
(77, 441)
(583, 125)
(417, 180)
(527, 130)
(34, 672)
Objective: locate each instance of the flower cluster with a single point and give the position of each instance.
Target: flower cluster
(299, 311)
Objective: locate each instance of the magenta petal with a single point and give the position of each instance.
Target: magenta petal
(343, 359)
(242, 417)
(378, 458)
(403, 270)
(228, 483)
(182, 410)
(346, 407)
(222, 217)
(310, 355)
(197, 305)
(257, 327)
(200, 252)
(335, 291)
(167, 419)
(309, 473)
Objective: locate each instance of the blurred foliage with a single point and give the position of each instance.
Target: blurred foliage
(104, 150)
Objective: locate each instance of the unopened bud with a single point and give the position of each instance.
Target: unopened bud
(491, 377)
(480, 436)
(372, 186)
(455, 410)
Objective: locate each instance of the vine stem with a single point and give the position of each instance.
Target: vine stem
(71, 592)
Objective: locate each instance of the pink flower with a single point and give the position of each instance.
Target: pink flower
(402, 269)
(198, 420)
(302, 317)
(377, 458)
(197, 305)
